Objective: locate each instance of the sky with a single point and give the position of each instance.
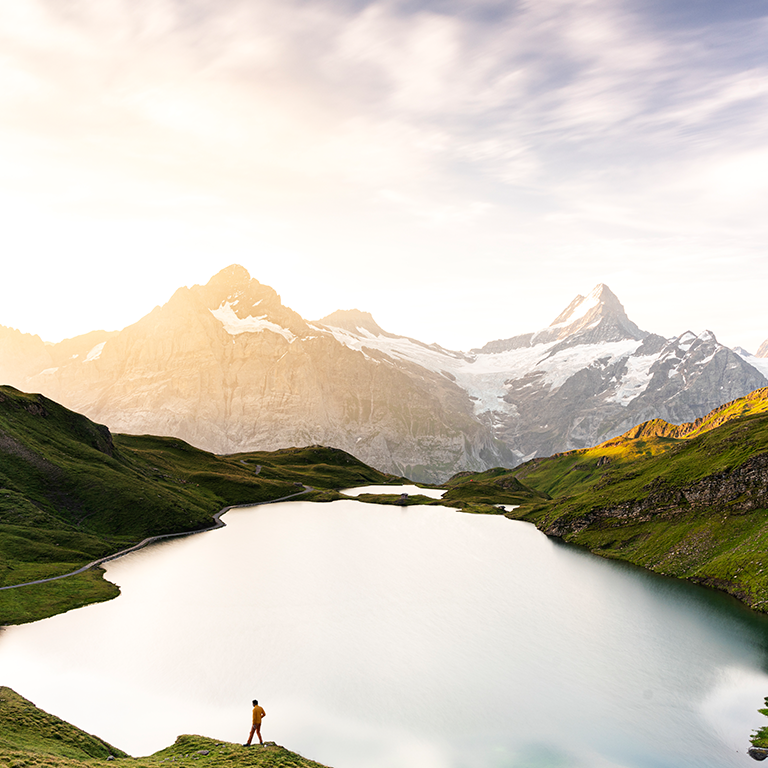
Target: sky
(460, 169)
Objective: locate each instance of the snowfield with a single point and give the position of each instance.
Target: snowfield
(235, 325)
(758, 363)
(485, 375)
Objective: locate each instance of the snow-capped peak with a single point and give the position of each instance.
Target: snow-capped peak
(596, 318)
(580, 306)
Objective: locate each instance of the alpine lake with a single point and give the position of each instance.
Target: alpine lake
(402, 637)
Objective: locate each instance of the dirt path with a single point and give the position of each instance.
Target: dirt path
(217, 523)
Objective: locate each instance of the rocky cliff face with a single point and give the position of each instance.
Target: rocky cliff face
(228, 368)
(589, 376)
(738, 491)
(22, 356)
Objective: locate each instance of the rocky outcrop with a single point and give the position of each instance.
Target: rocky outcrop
(736, 491)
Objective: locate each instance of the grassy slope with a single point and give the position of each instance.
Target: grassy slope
(71, 493)
(686, 501)
(31, 737)
(496, 486)
(760, 737)
(24, 727)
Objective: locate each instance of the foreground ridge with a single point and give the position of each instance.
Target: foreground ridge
(29, 736)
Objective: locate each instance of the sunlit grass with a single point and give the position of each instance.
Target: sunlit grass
(644, 498)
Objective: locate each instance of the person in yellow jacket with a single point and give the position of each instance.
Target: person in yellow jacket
(258, 715)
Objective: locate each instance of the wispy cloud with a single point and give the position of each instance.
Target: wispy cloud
(547, 126)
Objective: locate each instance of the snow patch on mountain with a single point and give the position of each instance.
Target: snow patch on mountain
(707, 359)
(483, 379)
(758, 363)
(634, 381)
(235, 325)
(397, 347)
(95, 353)
(560, 367)
(485, 376)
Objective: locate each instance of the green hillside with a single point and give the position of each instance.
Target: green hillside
(31, 737)
(71, 493)
(689, 501)
(760, 736)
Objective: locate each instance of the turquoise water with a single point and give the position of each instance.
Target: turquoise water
(388, 637)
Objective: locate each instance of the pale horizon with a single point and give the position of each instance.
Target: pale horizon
(351, 308)
(459, 170)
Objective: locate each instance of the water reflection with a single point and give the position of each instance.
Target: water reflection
(382, 636)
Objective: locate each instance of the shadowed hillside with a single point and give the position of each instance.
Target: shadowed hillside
(71, 493)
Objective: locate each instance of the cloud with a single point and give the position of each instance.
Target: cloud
(521, 132)
(290, 92)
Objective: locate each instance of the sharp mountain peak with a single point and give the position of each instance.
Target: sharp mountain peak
(233, 276)
(597, 317)
(353, 320)
(600, 302)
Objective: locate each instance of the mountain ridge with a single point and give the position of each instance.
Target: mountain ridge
(225, 366)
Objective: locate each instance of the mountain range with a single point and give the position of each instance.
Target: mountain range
(228, 368)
